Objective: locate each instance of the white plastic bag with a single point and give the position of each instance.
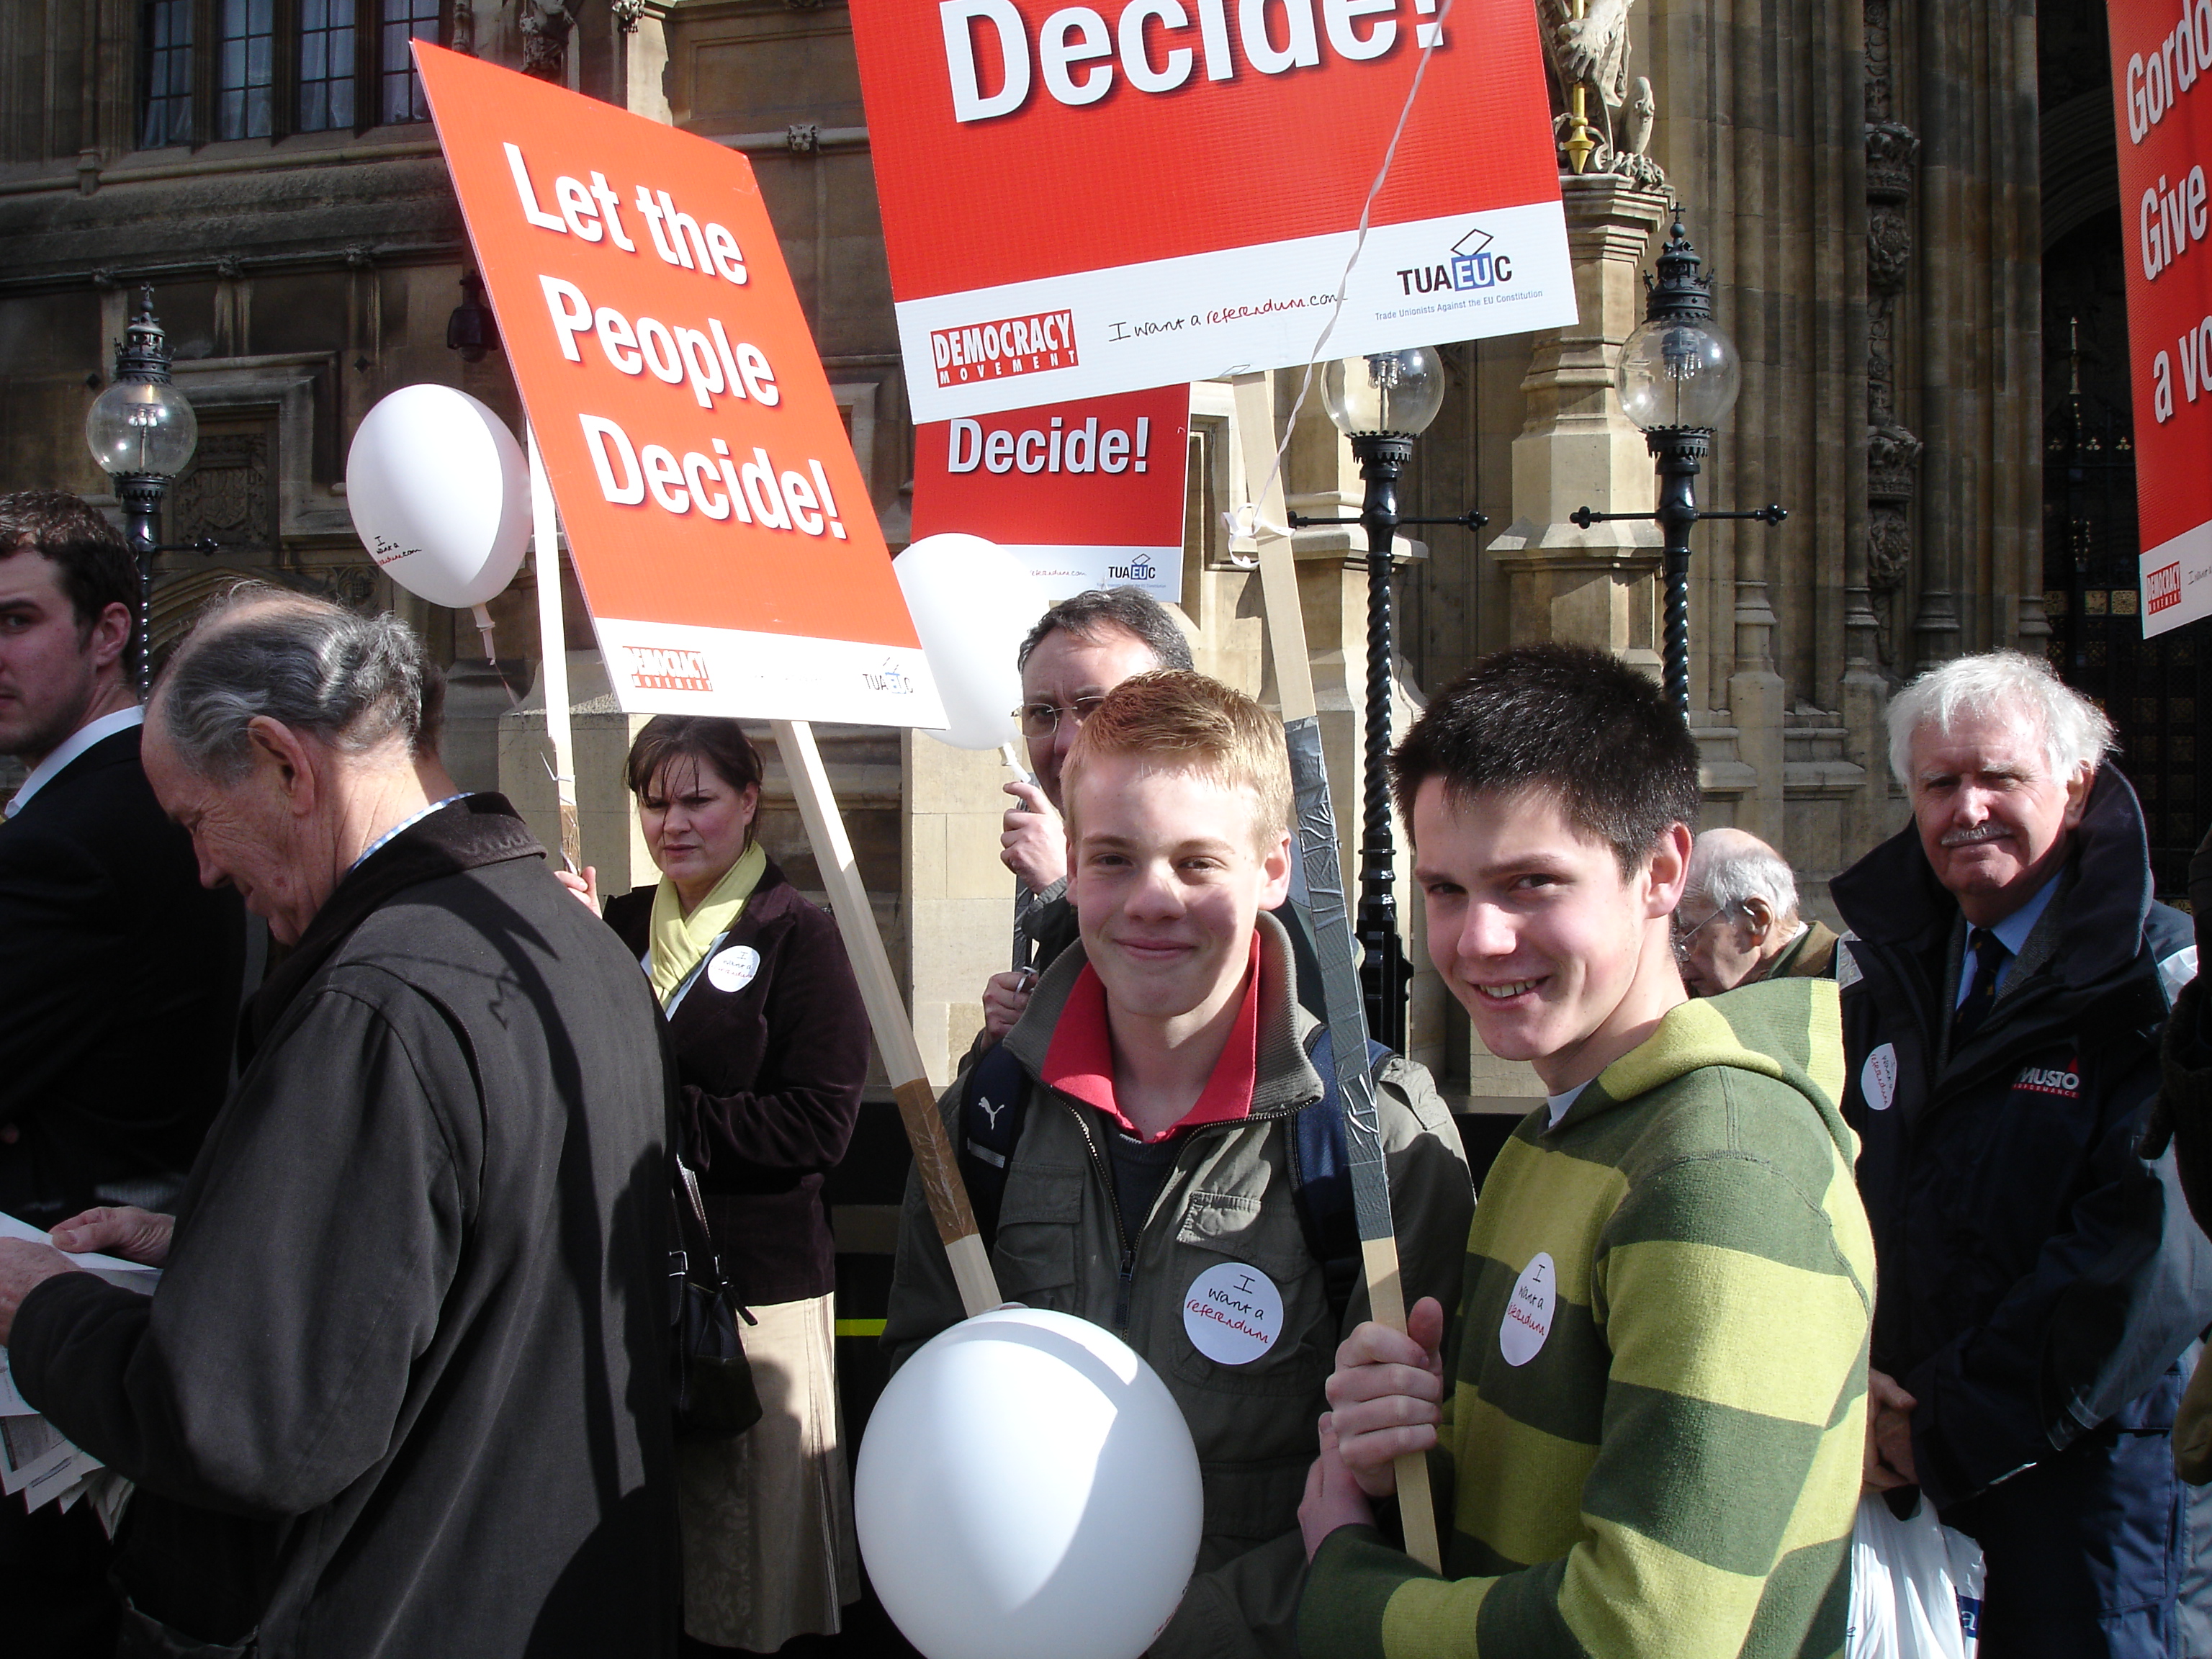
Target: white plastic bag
(1915, 1587)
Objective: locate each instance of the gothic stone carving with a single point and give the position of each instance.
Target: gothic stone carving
(545, 39)
(228, 494)
(1591, 51)
(1892, 151)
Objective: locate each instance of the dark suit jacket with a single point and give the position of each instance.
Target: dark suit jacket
(119, 992)
(771, 1074)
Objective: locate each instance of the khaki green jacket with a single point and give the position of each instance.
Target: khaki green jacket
(1228, 1199)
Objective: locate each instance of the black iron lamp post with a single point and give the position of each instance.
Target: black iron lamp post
(1679, 378)
(1383, 402)
(142, 432)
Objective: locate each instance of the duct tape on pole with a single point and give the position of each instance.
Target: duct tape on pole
(1333, 943)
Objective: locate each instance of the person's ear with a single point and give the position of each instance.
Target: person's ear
(1668, 872)
(287, 760)
(1275, 873)
(1758, 914)
(748, 804)
(109, 633)
(2077, 795)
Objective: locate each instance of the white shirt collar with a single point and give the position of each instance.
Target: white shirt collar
(402, 828)
(1560, 1104)
(73, 745)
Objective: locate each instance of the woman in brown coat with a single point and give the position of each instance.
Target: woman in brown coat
(771, 1043)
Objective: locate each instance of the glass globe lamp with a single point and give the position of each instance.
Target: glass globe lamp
(1396, 393)
(145, 427)
(1679, 374)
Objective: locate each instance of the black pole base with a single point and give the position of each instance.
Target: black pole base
(1680, 453)
(1385, 974)
(1382, 458)
(141, 494)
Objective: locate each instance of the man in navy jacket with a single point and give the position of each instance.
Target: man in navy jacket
(2042, 1286)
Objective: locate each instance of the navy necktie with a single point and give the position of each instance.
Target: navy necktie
(1989, 959)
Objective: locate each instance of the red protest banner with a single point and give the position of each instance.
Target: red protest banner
(1087, 495)
(2162, 99)
(1079, 202)
(719, 523)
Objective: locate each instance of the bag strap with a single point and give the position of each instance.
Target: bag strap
(992, 1106)
(1321, 1176)
(694, 1257)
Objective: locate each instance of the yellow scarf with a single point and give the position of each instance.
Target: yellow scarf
(678, 940)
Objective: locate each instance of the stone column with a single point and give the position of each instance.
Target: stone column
(641, 43)
(601, 734)
(959, 898)
(1756, 702)
(1597, 586)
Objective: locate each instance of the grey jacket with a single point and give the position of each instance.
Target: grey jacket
(1229, 1199)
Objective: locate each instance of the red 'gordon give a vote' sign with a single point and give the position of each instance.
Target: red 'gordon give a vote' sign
(1087, 199)
(2162, 97)
(720, 526)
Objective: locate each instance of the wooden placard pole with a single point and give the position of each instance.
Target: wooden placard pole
(887, 1015)
(1317, 850)
(553, 654)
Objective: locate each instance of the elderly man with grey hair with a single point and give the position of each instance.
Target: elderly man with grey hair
(2041, 1284)
(403, 1386)
(1738, 923)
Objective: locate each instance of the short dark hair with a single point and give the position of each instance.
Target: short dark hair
(703, 739)
(1582, 724)
(97, 569)
(1130, 608)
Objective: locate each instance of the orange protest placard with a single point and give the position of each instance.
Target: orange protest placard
(721, 527)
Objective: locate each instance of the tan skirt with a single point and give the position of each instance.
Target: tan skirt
(768, 1549)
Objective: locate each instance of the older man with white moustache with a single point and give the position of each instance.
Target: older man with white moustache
(2042, 1285)
(402, 1387)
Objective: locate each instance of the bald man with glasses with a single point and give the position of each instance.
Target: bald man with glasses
(1738, 919)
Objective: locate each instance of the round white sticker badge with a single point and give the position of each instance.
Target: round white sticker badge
(1233, 1314)
(1878, 1078)
(733, 969)
(1528, 1322)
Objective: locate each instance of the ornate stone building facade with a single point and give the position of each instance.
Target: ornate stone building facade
(1891, 191)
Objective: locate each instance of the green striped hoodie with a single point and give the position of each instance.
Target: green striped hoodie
(1652, 1442)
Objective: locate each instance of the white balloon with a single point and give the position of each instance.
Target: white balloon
(973, 604)
(440, 492)
(1028, 1486)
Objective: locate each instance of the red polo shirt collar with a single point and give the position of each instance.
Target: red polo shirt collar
(1080, 1060)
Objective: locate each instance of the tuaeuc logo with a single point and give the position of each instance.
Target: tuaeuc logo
(1473, 265)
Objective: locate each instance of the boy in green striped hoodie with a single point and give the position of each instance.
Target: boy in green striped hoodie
(1651, 1437)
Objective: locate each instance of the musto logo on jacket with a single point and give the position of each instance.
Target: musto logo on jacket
(2064, 1080)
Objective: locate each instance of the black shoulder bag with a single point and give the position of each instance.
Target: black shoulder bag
(712, 1388)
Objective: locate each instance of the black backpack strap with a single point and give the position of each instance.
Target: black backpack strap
(1320, 1177)
(994, 1101)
